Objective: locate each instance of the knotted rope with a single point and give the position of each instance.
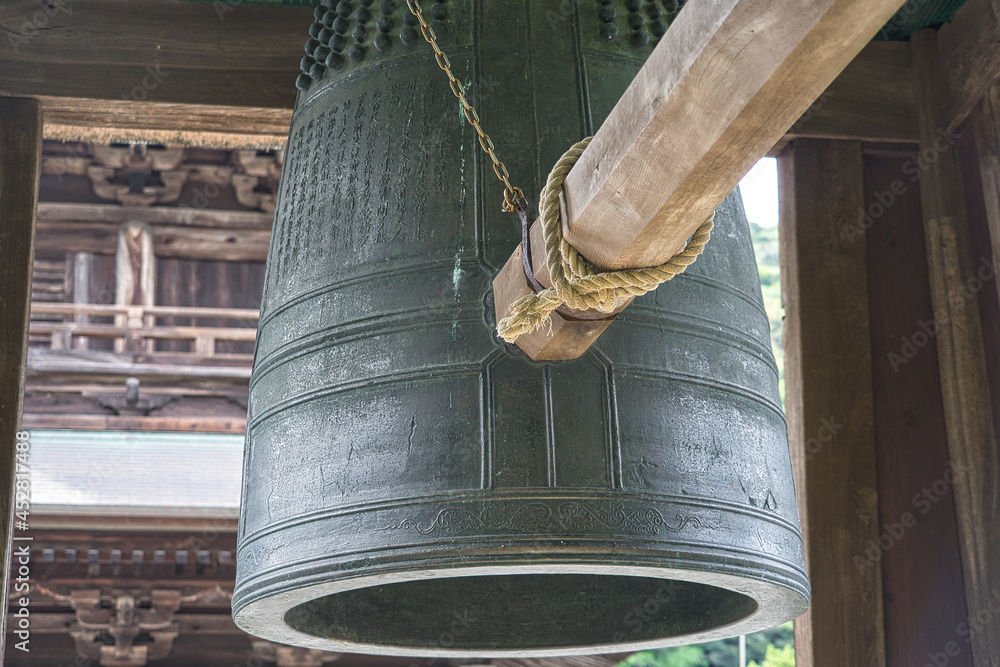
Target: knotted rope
(574, 281)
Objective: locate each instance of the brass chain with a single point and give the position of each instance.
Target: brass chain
(511, 193)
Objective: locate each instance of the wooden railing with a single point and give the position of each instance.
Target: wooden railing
(135, 328)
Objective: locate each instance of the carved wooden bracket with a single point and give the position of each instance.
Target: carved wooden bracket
(125, 174)
(292, 656)
(140, 633)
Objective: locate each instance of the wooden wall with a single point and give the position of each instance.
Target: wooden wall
(183, 282)
(894, 565)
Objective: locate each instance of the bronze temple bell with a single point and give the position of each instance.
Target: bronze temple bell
(413, 485)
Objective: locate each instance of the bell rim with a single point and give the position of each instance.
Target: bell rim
(262, 612)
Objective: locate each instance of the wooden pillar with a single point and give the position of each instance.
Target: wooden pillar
(82, 267)
(918, 546)
(20, 155)
(965, 387)
(135, 275)
(986, 119)
(829, 400)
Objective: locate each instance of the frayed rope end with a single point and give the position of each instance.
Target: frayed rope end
(527, 314)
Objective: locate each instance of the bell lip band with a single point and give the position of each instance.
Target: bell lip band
(265, 614)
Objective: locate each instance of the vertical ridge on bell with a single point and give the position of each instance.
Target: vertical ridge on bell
(559, 119)
(610, 405)
(580, 447)
(550, 427)
(520, 425)
(504, 93)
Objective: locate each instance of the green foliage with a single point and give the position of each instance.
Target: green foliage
(777, 657)
(682, 656)
(765, 247)
(723, 653)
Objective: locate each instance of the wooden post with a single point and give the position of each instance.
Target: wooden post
(828, 375)
(721, 88)
(965, 387)
(135, 274)
(986, 119)
(82, 263)
(20, 156)
(918, 540)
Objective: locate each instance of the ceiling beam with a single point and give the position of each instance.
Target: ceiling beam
(871, 100)
(968, 58)
(168, 51)
(182, 242)
(186, 73)
(210, 125)
(58, 212)
(115, 423)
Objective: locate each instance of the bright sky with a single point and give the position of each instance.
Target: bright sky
(760, 193)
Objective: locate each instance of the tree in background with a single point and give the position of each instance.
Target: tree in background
(722, 653)
(682, 656)
(767, 251)
(777, 657)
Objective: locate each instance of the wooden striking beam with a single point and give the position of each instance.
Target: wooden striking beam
(829, 401)
(969, 59)
(961, 357)
(724, 84)
(20, 156)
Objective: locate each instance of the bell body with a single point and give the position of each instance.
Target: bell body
(414, 486)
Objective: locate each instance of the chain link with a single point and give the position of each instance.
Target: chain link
(511, 193)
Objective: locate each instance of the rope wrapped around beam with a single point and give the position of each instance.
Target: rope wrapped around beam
(574, 281)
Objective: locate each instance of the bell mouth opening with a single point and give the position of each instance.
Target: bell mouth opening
(511, 613)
